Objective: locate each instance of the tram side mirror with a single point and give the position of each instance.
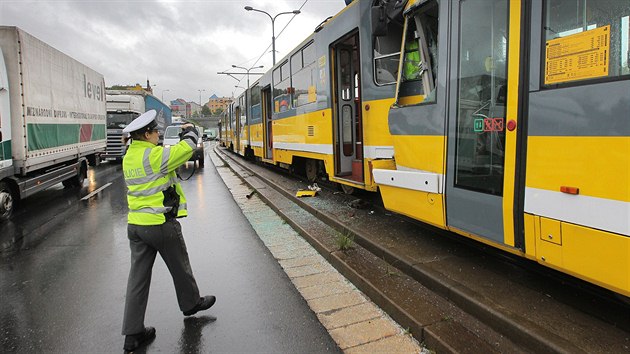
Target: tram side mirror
(379, 21)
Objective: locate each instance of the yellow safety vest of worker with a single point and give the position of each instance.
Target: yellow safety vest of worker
(411, 68)
(153, 189)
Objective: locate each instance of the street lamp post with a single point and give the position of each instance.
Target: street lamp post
(273, 31)
(248, 70)
(163, 94)
(200, 91)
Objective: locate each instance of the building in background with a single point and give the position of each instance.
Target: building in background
(218, 104)
(195, 109)
(180, 107)
(187, 110)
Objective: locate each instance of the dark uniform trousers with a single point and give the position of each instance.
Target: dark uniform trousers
(145, 242)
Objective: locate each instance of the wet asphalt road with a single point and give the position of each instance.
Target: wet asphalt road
(65, 262)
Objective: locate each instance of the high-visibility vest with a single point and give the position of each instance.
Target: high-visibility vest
(149, 171)
(411, 67)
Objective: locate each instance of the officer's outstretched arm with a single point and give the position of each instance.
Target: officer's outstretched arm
(182, 151)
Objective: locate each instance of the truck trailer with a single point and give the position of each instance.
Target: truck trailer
(52, 118)
(123, 106)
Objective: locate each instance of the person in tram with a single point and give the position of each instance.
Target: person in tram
(156, 200)
(412, 63)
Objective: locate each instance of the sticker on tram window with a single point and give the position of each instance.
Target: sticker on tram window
(488, 125)
(579, 56)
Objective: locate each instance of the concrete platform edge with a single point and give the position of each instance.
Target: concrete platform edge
(504, 322)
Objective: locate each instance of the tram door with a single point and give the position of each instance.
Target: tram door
(347, 118)
(237, 128)
(475, 188)
(267, 122)
(231, 127)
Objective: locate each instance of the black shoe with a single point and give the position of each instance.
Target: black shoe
(204, 303)
(134, 341)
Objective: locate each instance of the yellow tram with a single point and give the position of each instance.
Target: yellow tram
(323, 108)
(515, 129)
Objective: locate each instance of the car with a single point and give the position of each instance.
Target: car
(171, 137)
(210, 134)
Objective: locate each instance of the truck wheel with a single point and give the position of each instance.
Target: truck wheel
(7, 201)
(94, 160)
(76, 181)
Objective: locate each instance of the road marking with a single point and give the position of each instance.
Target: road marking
(96, 191)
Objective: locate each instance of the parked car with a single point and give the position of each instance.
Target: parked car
(171, 137)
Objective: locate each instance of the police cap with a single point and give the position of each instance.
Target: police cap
(145, 122)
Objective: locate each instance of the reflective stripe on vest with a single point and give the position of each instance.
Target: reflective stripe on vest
(149, 171)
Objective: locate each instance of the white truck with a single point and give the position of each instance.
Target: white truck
(123, 106)
(52, 118)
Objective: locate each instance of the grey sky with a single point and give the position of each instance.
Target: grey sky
(179, 45)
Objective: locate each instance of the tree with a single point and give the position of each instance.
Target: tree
(218, 111)
(205, 110)
(124, 87)
(118, 87)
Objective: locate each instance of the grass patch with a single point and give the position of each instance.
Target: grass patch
(344, 241)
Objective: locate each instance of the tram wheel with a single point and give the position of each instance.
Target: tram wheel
(310, 168)
(347, 189)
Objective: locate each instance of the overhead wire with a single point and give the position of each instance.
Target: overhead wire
(269, 46)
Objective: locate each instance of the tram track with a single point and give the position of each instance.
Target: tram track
(453, 297)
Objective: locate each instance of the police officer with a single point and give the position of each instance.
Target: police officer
(156, 200)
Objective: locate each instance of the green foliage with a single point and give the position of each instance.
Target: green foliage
(123, 87)
(344, 241)
(205, 110)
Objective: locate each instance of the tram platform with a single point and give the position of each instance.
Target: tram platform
(454, 295)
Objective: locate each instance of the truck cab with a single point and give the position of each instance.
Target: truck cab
(121, 110)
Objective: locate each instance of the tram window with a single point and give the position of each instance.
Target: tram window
(285, 71)
(303, 81)
(480, 129)
(386, 48)
(308, 54)
(345, 59)
(282, 89)
(604, 22)
(256, 107)
(387, 56)
(242, 112)
(420, 57)
(303, 75)
(296, 62)
(276, 76)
